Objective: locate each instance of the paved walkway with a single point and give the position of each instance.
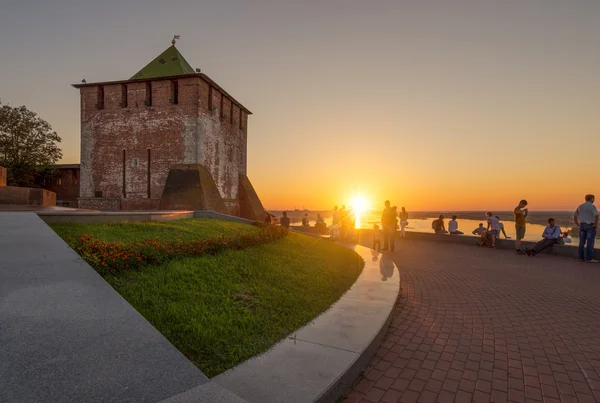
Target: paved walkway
(480, 325)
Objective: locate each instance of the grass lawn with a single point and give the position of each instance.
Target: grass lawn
(220, 310)
(186, 229)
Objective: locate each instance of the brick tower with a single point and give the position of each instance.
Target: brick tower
(168, 138)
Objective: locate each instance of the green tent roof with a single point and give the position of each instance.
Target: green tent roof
(168, 63)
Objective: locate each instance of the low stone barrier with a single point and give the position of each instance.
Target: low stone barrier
(568, 250)
(18, 196)
(89, 217)
(320, 361)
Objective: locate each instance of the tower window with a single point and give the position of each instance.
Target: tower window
(222, 111)
(123, 95)
(174, 92)
(148, 100)
(100, 100)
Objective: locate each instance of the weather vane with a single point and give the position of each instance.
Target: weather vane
(175, 37)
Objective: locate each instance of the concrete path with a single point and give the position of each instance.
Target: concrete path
(480, 325)
(67, 336)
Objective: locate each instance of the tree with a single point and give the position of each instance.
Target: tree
(28, 146)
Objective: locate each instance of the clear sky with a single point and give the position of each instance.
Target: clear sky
(445, 104)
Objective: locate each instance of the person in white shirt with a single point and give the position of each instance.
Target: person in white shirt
(493, 228)
(453, 227)
(586, 218)
(551, 235)
(502, 231)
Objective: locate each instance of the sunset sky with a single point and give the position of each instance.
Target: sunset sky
(442, 104)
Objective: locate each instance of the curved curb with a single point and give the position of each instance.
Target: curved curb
(320, 361)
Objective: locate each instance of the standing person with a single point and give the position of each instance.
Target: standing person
(493, 228)
(268, 218)
(453, 227)
(403, 222)
(285, 221)
(520, 215)
(335, 224)
(388, 221)
(551, 235)
(586, 218)
(438, 225)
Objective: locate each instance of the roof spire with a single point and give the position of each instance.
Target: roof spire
(175, 37)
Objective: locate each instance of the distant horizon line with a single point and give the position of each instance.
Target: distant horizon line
(431, 211)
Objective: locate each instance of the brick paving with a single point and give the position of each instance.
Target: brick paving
(483, 325)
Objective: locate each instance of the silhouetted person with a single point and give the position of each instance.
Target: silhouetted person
(403, 221)
(388, 222)
(305, 220)
(285, 221)
(520, 215)
(376, 237)
(268, 218)
(438, 225)
(586, 218)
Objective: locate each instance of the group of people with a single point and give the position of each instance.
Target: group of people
(389, 222)
(343, 224)
(320, 225)
(585, 218)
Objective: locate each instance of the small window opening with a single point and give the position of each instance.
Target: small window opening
(123, 95)
(98, 193)
(100, 100)
(222, 110)
(148, 100)
(174, 92)
(59, 181)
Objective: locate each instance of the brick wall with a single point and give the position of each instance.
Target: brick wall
(18, 196)
(3, 175)
(130, 139)
(65, 184)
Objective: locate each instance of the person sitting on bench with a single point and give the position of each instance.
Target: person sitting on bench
(551, 235)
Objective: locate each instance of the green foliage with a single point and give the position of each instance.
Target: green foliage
(222, 308)
(28, 147)
(188, 229)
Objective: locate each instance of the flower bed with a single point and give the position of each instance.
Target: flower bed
(109, 257)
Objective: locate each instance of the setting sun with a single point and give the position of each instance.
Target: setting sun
(359, 205)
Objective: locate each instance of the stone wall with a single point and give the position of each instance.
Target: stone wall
(3, 176)
(129, 143)
(66, 184)
(103, 204)
(18, 196)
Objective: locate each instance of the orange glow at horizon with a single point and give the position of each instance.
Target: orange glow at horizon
(425, 191)
(359, 205)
